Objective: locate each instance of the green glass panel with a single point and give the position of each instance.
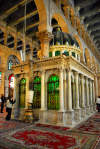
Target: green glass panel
(50, 54)
(73, 54)
(53, 93)
(22, 93)
(37, 93)
(0, 72)
(57, 53)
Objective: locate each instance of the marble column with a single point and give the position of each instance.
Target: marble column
(96, 88)
(77, 109)
(93, 96)
(42, 90)
(69, 115)
(82, 97)
(3, 69)
(42, 111)
(61, 114)
(87, 98)
(53, 53)
(91, 105)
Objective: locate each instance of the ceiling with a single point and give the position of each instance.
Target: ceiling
(89, 11)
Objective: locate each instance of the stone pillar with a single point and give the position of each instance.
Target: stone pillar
(42, 90)
(73, 20)
(5, 39)
(93, 96)
(79, 29)
(58, 3)
(44, 38)
(53, 53)
(66, 9)
(91, 105)
(2, 91)
(77, 109)
(87, 98)
(65, 90)
(96, 88)
(61, 114)
(69, 115)
(15, 108)
(15, 44)
(42, 112)
(83, 98)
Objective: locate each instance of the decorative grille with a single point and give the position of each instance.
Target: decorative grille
(22, 93)
(53, 93)
(37, 93)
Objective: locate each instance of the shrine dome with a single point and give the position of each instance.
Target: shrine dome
(61, 38)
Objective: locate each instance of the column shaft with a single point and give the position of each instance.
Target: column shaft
(61, 91)
(42, 91)
(69, 91)
(77, 90)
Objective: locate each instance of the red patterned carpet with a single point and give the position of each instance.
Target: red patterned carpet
(20, 135)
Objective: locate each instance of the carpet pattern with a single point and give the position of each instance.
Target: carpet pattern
(90, 126)
(20, 135)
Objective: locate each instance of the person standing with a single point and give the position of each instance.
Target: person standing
(2, 104)
(10, 103)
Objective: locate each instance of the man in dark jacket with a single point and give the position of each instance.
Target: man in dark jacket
(3, 100)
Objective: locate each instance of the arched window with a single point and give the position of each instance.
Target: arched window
(11, 85)
(66, 53)
(37, 93)
(10, 64)
(57, 53)
(50, 54)
(22, 93)
(53, 92)
(73, 54)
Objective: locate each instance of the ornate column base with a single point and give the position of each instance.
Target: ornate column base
(61, 118)
(91, 108)
(42, 116)
(88, 110)
(83, 109)
(69, 117)
(77, 114)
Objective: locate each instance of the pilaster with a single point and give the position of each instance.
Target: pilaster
(87, 98)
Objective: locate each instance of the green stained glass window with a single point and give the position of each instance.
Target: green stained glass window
(57, 53)
(73, 54)
(22, 93)
(37, 93)
(50, 54)
(53, 93)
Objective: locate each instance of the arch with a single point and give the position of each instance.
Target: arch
(42, 14)
(79, 42)
(61, 22)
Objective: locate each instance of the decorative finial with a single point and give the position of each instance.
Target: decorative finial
(58, 29)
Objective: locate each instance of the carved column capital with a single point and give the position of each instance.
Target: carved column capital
(44, 36)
